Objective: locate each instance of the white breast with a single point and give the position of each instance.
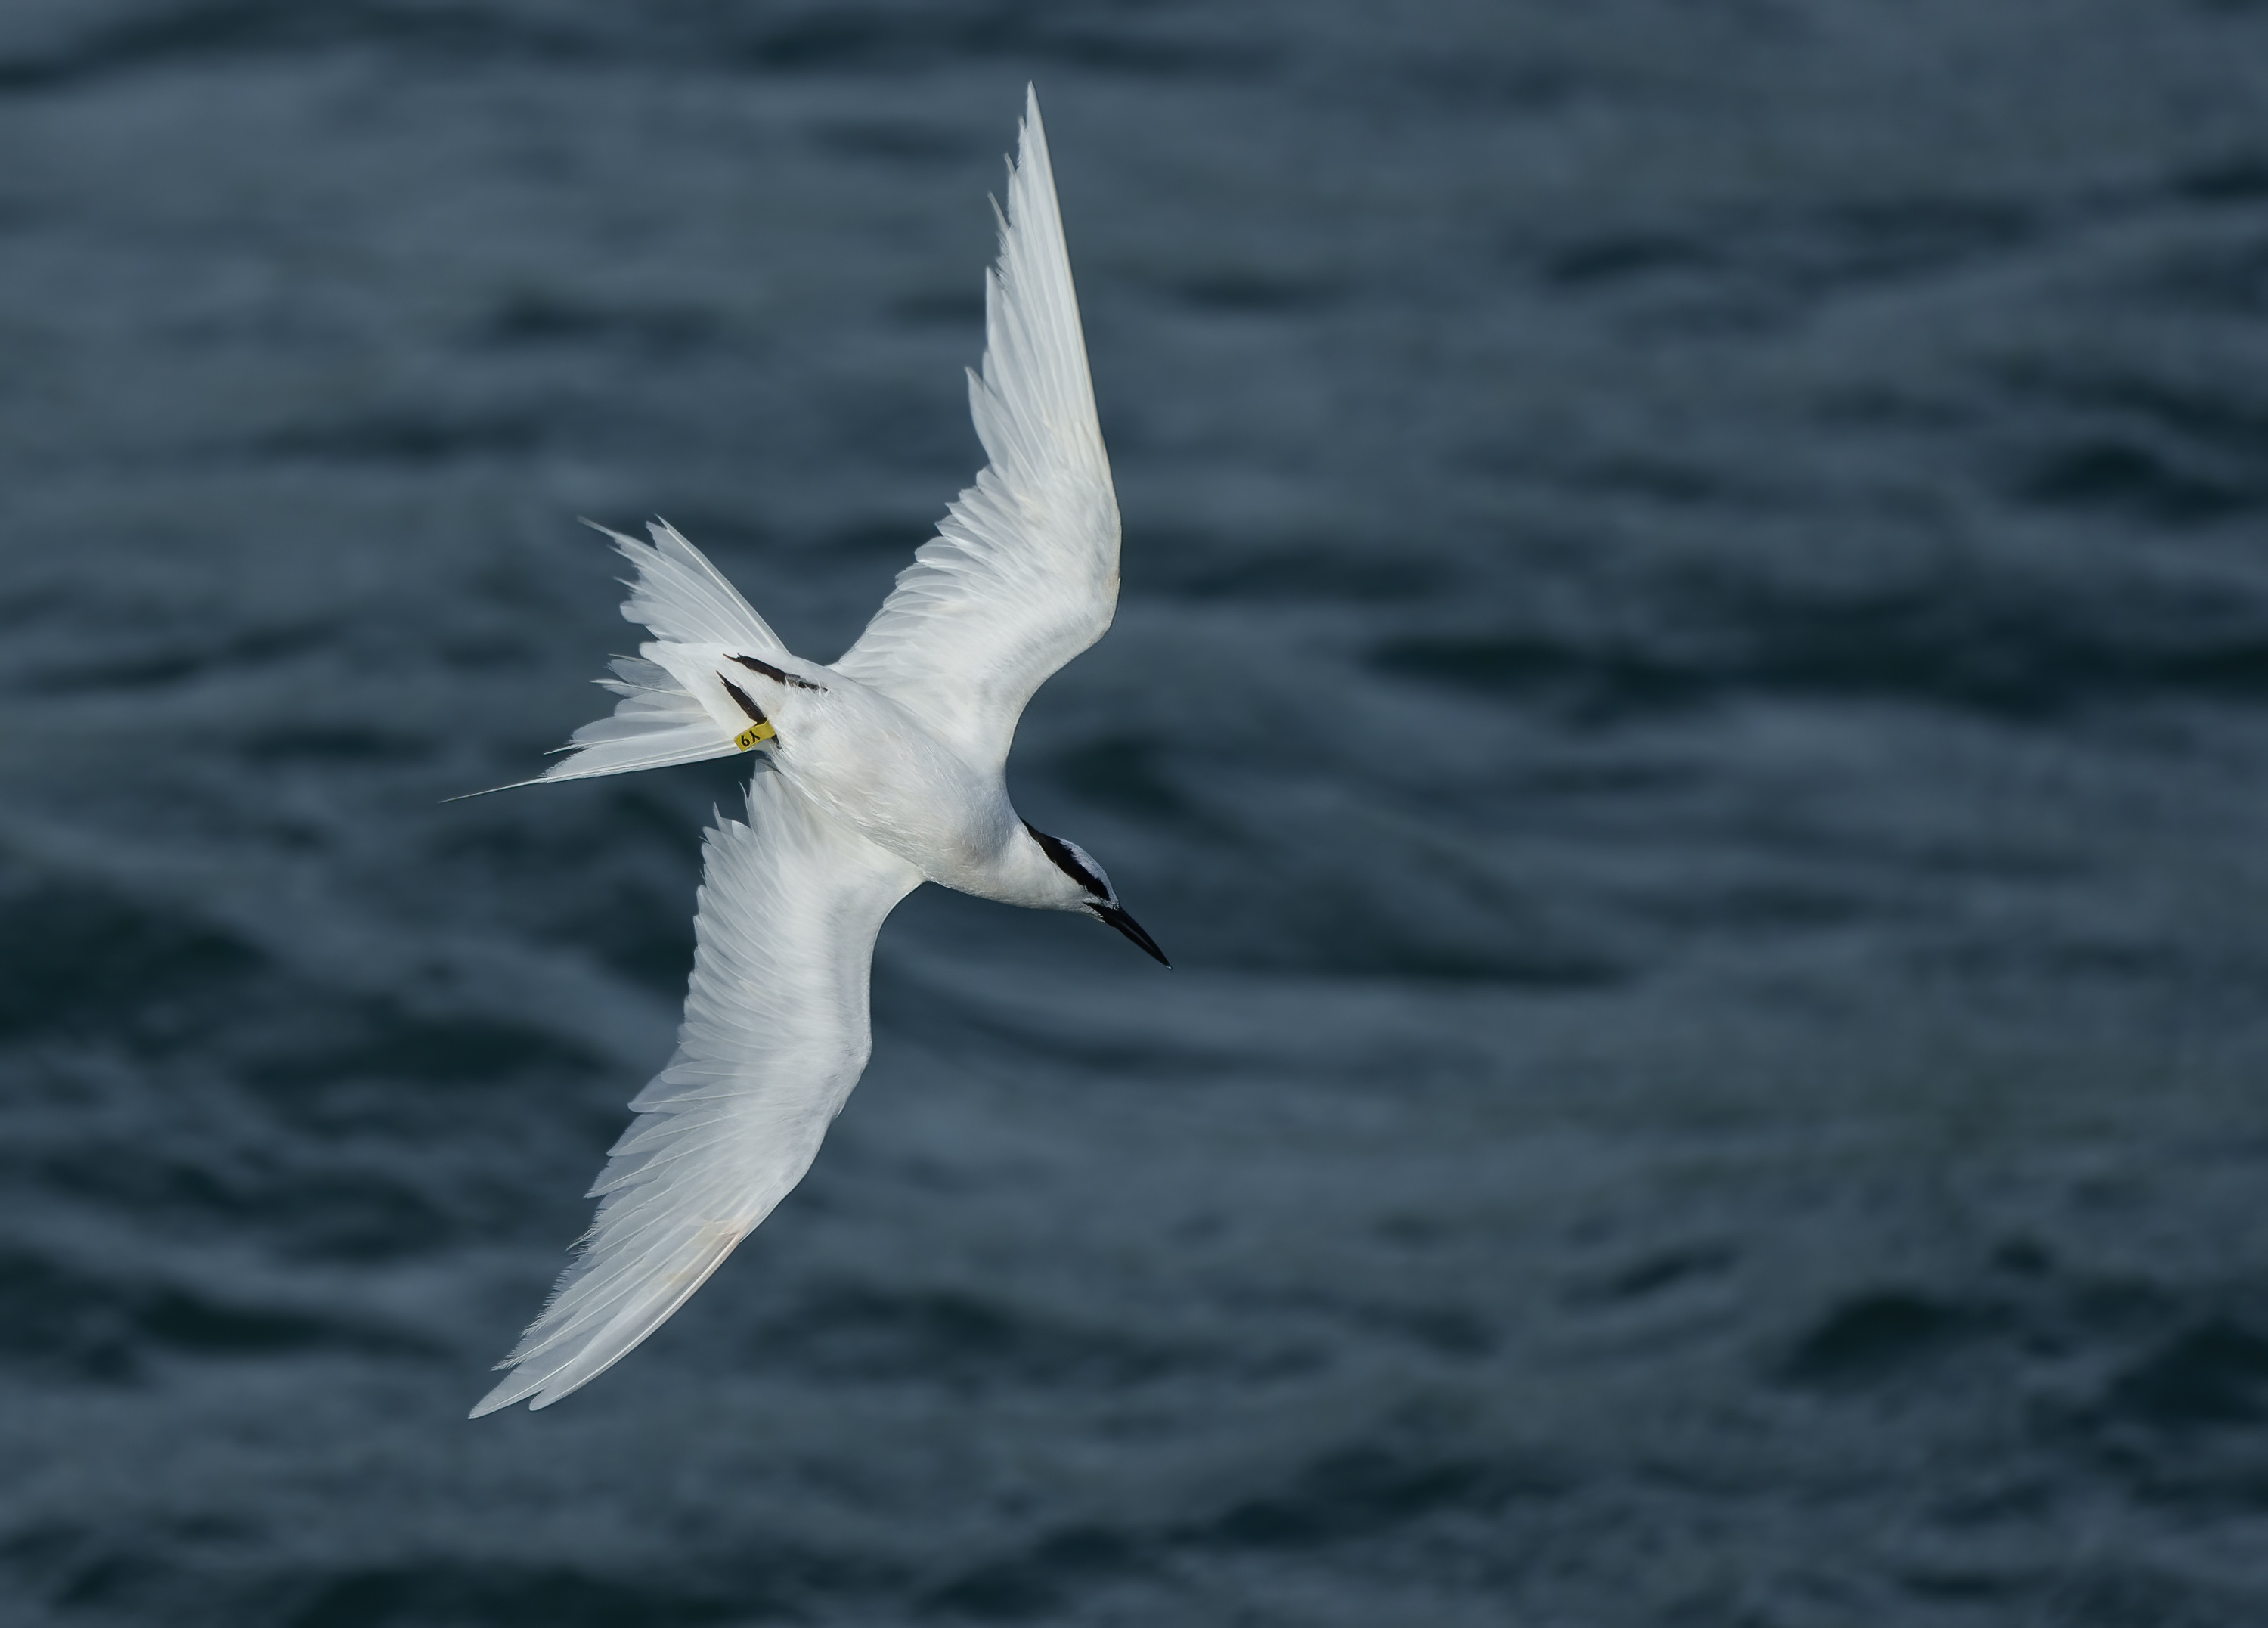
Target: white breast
(883, 773)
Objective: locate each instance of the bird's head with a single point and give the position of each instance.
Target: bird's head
(1086, 889)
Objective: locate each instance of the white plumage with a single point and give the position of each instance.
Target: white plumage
(775, 1035)
(1023, 573)
(875, 775)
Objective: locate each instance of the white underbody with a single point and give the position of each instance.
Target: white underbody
(863, 758)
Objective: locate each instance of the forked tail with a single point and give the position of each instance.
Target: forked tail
(695, 613)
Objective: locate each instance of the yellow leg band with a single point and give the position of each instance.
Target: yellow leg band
(747, 738)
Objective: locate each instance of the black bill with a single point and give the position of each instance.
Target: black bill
(1131, 928)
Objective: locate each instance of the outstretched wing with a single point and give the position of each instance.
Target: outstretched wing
(775, 1035)
(1023, 573)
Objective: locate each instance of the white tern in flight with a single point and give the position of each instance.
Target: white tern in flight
(874, 774)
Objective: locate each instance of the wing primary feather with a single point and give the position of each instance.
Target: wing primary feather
(1023, 573)
(775, 1035)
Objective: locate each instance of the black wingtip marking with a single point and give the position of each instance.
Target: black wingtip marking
(755, 713)
(774, 674)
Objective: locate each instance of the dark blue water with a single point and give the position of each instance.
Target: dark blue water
(1691, 703)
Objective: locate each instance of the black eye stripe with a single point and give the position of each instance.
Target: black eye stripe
(1067, 862)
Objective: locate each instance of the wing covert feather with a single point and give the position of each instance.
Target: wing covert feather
(776, 1033)
(1023, 573)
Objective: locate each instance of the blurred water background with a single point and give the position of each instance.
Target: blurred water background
(1691, 703)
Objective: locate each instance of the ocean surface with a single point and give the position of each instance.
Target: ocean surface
(1691, 703)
